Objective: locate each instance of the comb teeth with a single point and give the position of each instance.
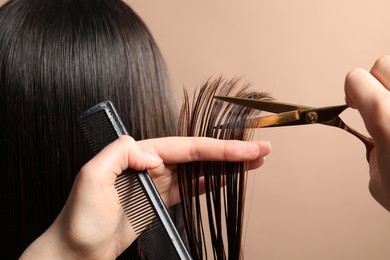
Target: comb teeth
(138, 196)
(133, 200)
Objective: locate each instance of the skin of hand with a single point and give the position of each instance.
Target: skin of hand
(92, 224)
(368, 91)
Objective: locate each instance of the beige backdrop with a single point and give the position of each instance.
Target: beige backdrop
(310, 200)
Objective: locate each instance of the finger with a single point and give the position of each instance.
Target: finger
(362, 89)
(252, 165)
(256, 163)
(186, 149)
(381, 71)
(121, 154)
(367, 94)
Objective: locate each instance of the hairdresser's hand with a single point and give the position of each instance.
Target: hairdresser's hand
(369, 93)
(92, 224)
(173, 150)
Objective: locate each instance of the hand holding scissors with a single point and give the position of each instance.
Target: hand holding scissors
(369, 92)
(290, 114)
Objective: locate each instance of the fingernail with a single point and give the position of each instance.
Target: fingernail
(152, 157)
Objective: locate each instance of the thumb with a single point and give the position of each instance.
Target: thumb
(120, 155)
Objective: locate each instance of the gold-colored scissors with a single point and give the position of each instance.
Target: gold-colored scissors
(290, 114)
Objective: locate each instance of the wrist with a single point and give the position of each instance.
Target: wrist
(46, 246)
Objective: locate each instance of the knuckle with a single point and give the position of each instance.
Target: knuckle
(87, 171)
(193, 149)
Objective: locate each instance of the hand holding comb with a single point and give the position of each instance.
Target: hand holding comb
(138, 196)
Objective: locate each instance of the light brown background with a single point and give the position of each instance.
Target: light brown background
(310, 200)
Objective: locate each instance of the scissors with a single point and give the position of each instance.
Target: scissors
(291, 114)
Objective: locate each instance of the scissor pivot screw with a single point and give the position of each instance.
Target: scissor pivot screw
(311, 117)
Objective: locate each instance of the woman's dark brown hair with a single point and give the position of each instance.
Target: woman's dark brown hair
(61, 57)
(57, 59)
(224, 182)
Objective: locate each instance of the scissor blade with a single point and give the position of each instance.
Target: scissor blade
(264, 105)
(323, 115)
(286, 118)
(281, 119)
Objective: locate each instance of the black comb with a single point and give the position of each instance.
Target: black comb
(138, 196)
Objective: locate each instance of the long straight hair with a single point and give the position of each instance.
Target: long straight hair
(219, 227)
(57, 59)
